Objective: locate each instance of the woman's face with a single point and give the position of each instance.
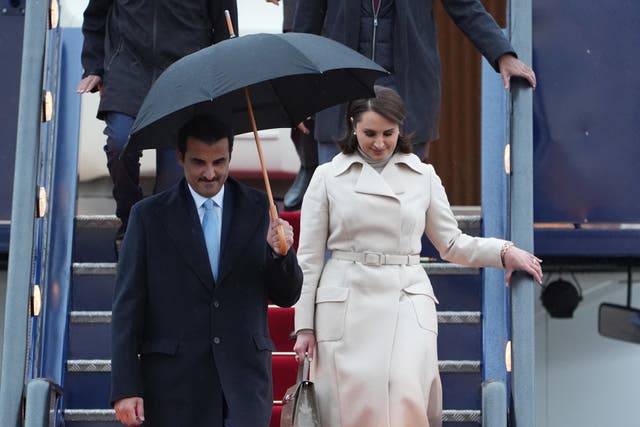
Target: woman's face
(377, 136)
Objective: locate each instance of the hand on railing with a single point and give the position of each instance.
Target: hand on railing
(516, 259)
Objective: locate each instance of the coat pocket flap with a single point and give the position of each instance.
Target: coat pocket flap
(263, 343)
(331, 294)
(421, 289)
(169, 347)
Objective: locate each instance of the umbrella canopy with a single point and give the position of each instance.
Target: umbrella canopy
(289, 76)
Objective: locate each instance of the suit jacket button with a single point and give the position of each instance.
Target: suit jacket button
(216, 304)
(216, 340)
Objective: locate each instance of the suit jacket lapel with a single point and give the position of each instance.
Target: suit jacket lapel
(183, 226)
(242, 215)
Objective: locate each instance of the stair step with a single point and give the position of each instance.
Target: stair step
(93, 288)
(444, 317)
(94, 268)
(106, 415)
(104, 365)
(465, 222)
(432, 268)
(97, 221)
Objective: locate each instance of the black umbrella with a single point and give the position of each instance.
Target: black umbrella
(260, 81)
(290, 77)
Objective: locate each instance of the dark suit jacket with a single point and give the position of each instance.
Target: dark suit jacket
(416, 60)
(181, 341)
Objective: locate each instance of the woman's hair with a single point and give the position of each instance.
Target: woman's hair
(389, 105)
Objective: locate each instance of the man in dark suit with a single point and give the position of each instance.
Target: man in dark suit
(191, 344)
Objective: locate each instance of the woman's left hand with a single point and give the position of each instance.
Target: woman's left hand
(517, 259)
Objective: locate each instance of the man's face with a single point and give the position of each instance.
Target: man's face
(206, 167)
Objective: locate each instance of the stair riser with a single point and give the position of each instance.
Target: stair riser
(461, 390)
(94, 245)
(455, 292)
(455, 341)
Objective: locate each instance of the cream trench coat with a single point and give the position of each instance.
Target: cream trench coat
(376, 325)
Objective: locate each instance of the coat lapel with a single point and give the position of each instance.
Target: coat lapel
(241, 217)
(389, 183)
(184, 228)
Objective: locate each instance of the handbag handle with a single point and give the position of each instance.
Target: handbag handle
(303, 370)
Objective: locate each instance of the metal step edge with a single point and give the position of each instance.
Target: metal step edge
(111, 221)
(97, 221)
(104, 365)
(432, 268)
(449, 269)
(106, 415)
(443, 317)
(94, 268)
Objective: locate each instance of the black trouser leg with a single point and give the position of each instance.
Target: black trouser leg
(307, 149)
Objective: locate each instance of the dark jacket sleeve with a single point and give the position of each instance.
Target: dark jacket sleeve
(219, 21)
(480, 27)
(127, 321)
(94, 32)
(283, 276)
(309, 16)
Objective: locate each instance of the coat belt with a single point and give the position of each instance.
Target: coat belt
(376, 258)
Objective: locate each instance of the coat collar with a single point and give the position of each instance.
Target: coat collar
(387, 183)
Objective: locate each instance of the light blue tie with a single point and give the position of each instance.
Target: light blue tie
(211, 229)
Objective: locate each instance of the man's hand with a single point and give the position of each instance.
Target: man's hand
(274, 240)
(130, 411)
(276, 2)
(510, 66)
(89, 83)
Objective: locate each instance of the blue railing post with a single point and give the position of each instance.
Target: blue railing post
(23, 214)
(521, 210)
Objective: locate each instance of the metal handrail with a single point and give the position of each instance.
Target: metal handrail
(507, 206)
(41, 402)
(494, 404)
(23, 214)
(521, 210)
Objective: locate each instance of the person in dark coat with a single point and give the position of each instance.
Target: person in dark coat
(190, 337)
(126, 47)
(305, 144)
(400, 35)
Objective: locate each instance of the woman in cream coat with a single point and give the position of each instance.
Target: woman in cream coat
(367, 316)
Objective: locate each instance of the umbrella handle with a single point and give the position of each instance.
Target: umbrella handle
(280, 230)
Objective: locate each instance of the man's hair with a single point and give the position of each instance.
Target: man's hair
(206, 128)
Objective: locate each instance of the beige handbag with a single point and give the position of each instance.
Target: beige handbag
(299, 408)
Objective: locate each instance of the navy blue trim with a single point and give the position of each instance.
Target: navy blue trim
(5, 230)
(587, 242)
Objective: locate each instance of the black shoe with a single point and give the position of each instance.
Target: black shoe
(117, 242)
(293, 198)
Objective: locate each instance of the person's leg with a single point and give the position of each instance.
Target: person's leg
(307, 149)
(124, 170)
(327, 150)
(168, 170)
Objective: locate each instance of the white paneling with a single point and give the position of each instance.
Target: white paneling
(584, 379)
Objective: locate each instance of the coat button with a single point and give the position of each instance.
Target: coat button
(216, 304)
(216, 340)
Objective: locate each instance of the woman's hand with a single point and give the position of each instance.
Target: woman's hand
(517, 259)
(305, 344)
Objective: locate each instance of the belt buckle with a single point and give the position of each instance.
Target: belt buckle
(372, 258)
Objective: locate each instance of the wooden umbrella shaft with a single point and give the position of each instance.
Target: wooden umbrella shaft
(273, 213)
